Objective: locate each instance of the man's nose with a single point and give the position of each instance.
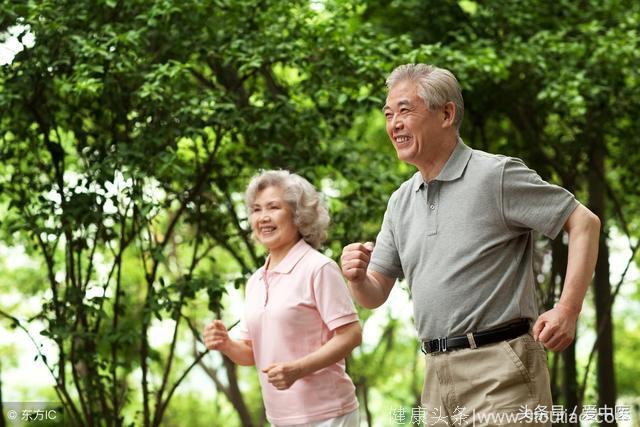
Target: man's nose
(396, 123)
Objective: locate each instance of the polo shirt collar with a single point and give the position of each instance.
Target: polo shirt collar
(452, 170)
(292, 257)
(417, 181)
(456, 164)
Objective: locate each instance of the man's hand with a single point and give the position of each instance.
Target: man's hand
(556, 328)
(216, 336)
(355, 260)
(283, 375)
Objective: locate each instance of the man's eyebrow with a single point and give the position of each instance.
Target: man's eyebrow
(401, 103)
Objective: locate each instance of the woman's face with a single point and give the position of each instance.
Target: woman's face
(272, 220)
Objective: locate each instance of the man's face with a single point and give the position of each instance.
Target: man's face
(411, 127)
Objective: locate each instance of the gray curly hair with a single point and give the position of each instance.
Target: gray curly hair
(310, 214)
(437, 86)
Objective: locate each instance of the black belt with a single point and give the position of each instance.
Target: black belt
(490, 336)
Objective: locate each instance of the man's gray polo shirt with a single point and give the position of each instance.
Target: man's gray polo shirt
(464, 241)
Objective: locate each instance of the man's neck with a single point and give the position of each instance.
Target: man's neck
(438, 158)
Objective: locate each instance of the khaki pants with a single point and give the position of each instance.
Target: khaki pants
(506, 383)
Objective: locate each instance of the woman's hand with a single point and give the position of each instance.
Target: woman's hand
(345, 339)
(216, 336)
(283, 375)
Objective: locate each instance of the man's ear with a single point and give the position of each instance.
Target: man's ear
(449, 114)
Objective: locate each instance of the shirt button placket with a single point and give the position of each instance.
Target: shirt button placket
(432, 211)
(266, 288)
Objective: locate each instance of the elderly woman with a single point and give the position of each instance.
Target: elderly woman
(299, 321)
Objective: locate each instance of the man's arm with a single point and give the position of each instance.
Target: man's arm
(556, 328)
(369, 288)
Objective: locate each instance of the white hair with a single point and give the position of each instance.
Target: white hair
(310, 214)
(437, 86)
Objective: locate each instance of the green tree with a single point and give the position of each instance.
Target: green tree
(128, 131)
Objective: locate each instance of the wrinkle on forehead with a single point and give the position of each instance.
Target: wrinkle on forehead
(407, 92)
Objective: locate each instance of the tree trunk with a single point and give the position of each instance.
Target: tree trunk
(235, 395)
(570, 384)
(602, 288)
(364, 392)
(568, 380)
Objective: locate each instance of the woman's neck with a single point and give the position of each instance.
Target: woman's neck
(276, 255)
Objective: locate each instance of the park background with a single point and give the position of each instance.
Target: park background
(129, 130)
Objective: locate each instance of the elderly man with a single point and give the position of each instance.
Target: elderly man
(460, 231)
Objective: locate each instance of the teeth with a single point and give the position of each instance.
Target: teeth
(267, 229)
(401, 139)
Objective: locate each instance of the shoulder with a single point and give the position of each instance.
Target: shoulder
(405, 189)
(255, 277)
(489, 161)
(488, 167)
(324, 272)
(316, 260)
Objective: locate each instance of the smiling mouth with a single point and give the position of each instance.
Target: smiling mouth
(267, 230)
(402, 139)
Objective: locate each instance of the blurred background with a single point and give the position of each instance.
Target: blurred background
(129, 130)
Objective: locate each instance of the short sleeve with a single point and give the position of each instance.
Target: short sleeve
(385, 258)
(241, 330)
(529, 202)
(332, 297)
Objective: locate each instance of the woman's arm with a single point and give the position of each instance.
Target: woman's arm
(216, 337)
(345, 339)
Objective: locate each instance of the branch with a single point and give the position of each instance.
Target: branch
(607, 316)
(634, 249)
(91, 256)
(76, 380)
(195, 190)
(61, 391)
(211, 373)
(167, 367)
(150, 276)
(276, 89)
(202, 79)
(125, 241)
(236, 222)
(230, 80)
(218, 141)
(225, 244)
(163, 407)
(57, 306)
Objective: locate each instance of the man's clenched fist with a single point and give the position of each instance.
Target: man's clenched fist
(355, 260)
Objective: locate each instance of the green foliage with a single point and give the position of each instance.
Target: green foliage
(128, 131)
(627, 349)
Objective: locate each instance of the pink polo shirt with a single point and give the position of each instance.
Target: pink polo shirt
(291, 312)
